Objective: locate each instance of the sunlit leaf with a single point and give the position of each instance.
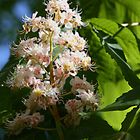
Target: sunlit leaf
(131, 6)
(127, 123)
(128, 99)
(129, 75)
(93, 129)
(111, 83)
(135, 129)
(125, 38)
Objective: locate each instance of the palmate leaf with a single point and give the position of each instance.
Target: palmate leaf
(117, 136)
(130, 117)
(30, 134)
(87, 9)
(117, 10)
(125, 39)
(122, 136)
(111, 83)
(128, 99)
(112, 10)
(136, 127)
(129, 75)
(131, 6)
(94, 127)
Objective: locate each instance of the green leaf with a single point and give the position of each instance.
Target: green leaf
(125, 38)
(135, 129)
(111, 83)
(128, 99)
(28, 135)
(127, 123)
(56, 51)
(93, 127)
(87, 9)
(129, 75)
(6, 105)
(11, 102)
(112, 10)
(120, 10)
(122, 136)
(9, 67)
(5, 99)
(131, 6)
(117, 136)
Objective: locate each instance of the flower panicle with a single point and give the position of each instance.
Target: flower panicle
(23, 120)
(56, 53)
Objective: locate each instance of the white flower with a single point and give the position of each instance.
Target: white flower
(21, 49)
(66, 16)
(78, 83)
(22, 77)
(86, 63)
(89, 98)
(26, 75)
(22, 121)
(73, 41)
(61, 11)
(73, 107)
(51, 25)
(66, 64)
(41, 97)
(34, 22)
(77, 19)
(37, 70)
(52, 6)
(40, 54)
(63, 4)
(57, 5)
(78, 42)
(77, 57)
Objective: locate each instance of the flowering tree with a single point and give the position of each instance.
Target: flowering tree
(53, 79)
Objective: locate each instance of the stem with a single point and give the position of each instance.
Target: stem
(121, 28)
(66, 94)
(58, 122)
(54, 110)
(45, 129)
(51, 59)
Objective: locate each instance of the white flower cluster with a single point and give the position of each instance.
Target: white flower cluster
(58, 52)
(22, 121)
